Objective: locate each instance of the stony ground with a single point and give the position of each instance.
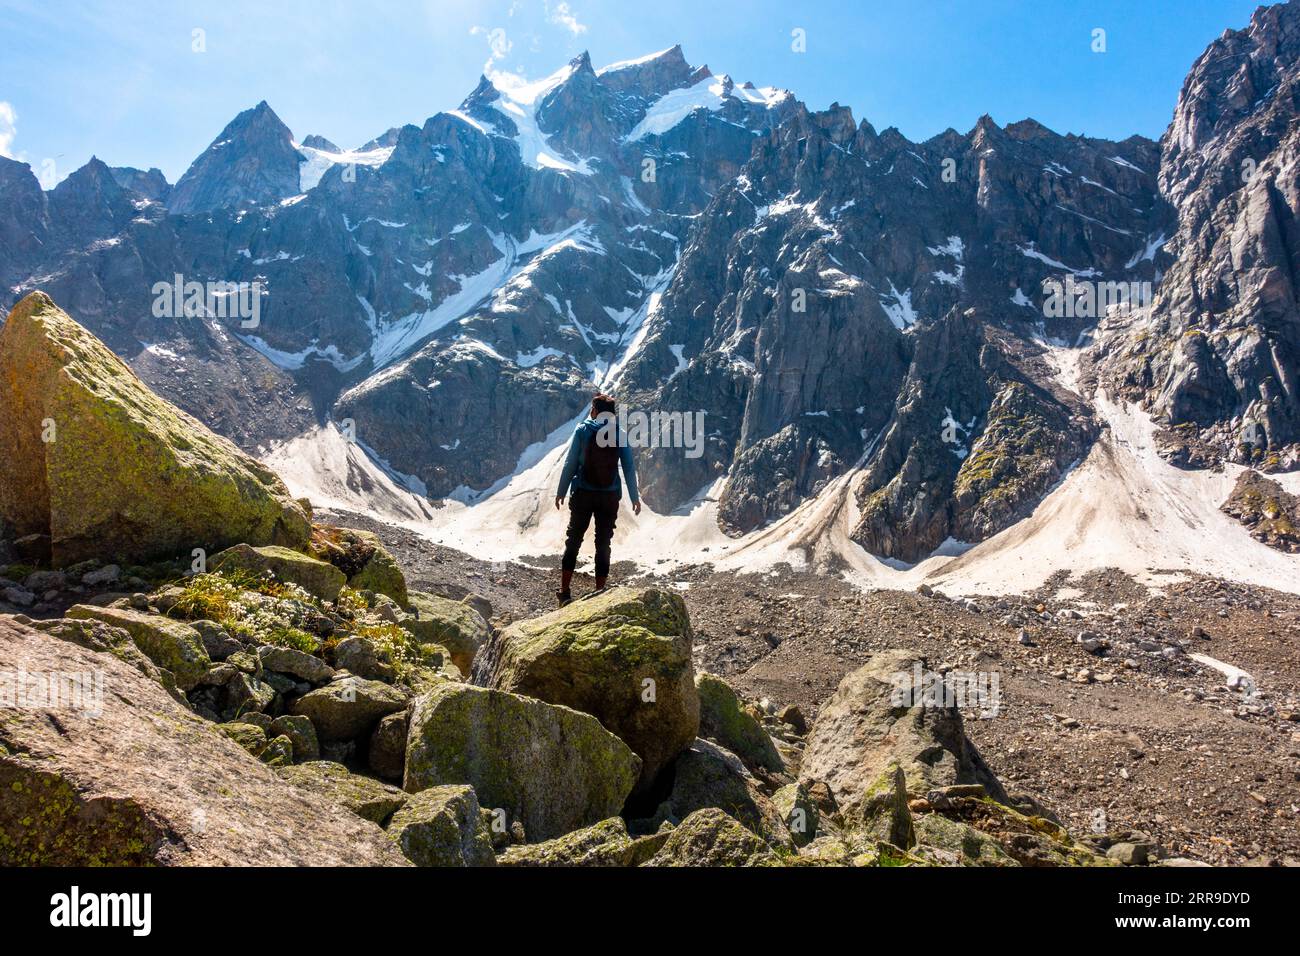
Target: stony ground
(1120, 730)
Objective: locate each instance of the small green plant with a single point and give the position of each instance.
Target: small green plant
(208, 596)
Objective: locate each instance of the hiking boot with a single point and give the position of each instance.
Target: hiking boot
(564, 597)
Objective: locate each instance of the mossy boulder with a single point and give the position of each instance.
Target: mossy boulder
(362, 557)
(103, 466)
(367, 798)
(550, 768)
(149, 782)
(710, 837)
(799, 812)
(100, 637)
(387, 752)
(724, 719)
(953, 843)
(876, 720)
(603, 844)
(348, 707)
(454, 624)
(169, 644)
(300, 733)
(289, 566)
(623, 656)
(882, 814)
(300, 664)
(442, 826)
(275, 751)
(707, 775)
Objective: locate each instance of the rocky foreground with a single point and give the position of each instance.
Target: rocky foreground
(288, 698)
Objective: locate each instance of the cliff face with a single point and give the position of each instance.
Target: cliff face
(1220, 353)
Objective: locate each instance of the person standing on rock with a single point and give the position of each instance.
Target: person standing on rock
(590, 481)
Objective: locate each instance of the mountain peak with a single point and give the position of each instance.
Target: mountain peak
(253, 159)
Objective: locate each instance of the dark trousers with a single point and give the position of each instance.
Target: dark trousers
(583, 506)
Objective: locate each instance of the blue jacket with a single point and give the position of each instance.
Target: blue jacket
(571, 476)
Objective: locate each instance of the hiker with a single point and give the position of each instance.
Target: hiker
(590, 481)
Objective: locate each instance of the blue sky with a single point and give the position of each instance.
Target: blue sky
(122, 80)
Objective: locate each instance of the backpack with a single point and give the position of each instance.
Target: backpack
(600, 465)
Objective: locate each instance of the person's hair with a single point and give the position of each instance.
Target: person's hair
(601, 403)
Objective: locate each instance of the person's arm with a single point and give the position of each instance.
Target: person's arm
(629, 473)
(570, 469)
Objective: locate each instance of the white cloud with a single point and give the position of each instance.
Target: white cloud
(562, 15)
(8, 128)
(497, 42)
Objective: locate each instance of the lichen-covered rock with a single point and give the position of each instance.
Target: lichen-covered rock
(623, 656)
(455, 625)
(953, 843)
(362, 557)
(710, 837)
(442, 826)
(169, 644)
(367, 798)
(293, 567)
(387, 754)
(551, 768)
(380, 573)
(216, 639)
(149, 782)
(706, 775)
(348, 707)
(287, 660)
(301, 734)
(358, 655)
(882, 813)
(604, 844)
(104, 466)
(98, 636)
(249, 736)
(798, 811)
(723, 719)
(863, 730)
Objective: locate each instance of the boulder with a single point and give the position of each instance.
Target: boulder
(957, 843)
(148, 782)
(358, 655)
(216, 639)
(603, 844)
(348, 707)
(101, 637)
(706, 775)
(387, 754)
(550, 768)
(301, 734)
(455, 625)
(362, 557)
(367, 798)
(169, 644)
(711, 838)
(292, 567)
(273, 750)
(103, 466)
(882, 813)
(287, 660)
(724, 720)
(442, 826)
(623, 656)
(863, 730)
(798, 811)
